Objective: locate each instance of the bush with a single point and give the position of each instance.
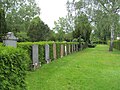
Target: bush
(13, 66)
(91, 45)
(99, 42)
(116, 44)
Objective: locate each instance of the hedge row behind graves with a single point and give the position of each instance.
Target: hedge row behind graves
(41, 46)
(116, 44)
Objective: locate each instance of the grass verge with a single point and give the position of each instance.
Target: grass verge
(91, 69)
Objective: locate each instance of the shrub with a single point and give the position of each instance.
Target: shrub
(13, 66)
(91, 45)
(116, 44)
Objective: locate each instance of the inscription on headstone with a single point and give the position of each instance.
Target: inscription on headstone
(54, 51)
(47, 53)
(61, 51)
(35, 56)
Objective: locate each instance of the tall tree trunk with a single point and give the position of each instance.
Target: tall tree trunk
(112, 38)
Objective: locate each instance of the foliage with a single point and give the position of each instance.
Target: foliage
(3, 25)
(22, 36)
(82, 28)
(116, 44)
(91, 69)
(102, 14)
(18, 14)
(13, 66)
(38, 31)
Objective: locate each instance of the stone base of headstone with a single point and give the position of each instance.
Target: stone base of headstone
(36, 65)
(48, 61)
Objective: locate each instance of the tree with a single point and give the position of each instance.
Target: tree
(82, 28)
(38, 31)
(18, 14)
(109, 9)
(102, 24)
(60, 28)
(3, 25)
(112, 8)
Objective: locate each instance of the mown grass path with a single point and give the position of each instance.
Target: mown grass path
(91, 69)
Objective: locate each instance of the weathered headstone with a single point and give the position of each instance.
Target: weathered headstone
(65, 50)
(47, 53)
(61, 51)
(35, 56)
(69, 49)
(54, 51)
(10, 40)
(72, 48)
(76, 47)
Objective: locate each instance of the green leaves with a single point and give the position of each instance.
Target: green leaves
(13, 68)
(38, 30)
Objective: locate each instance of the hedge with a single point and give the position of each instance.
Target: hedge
(41, 45)
(116, 44)
(13, 65)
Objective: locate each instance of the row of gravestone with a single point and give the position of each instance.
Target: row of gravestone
(11, 40)
(63, 50)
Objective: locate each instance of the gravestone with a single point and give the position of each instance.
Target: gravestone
(65, 50)
(61, 51)
(72, 48)
(47, 53)
(54, 51)
(69, 49)
(10, 40)
(35, 56)
(76, 47)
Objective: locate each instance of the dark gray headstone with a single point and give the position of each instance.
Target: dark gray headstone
(69, 49)
(76, 47)
(35, 55)
(54, 51)
(72, 48)
(10, 40)
(47, 53)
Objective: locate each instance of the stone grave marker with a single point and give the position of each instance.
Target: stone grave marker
(61, 51)
(47, 53)
(54, 51)
(76, 47)
(35, 56)
(72, 48)
(10, 40)
(69, 49)
(65, 50)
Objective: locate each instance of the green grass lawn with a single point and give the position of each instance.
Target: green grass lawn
(91, 69)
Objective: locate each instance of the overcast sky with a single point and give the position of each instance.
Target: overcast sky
(51, 10)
